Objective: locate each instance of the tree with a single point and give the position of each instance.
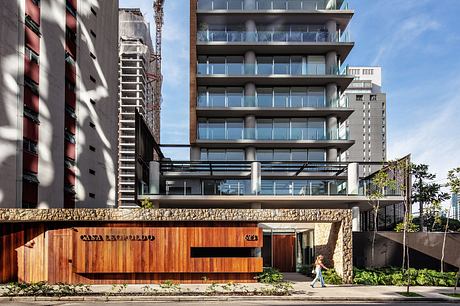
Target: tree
(453, 182)
(376, 191)
(425, 192)
(401, 170)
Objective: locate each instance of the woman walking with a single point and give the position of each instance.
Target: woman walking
(318, 267)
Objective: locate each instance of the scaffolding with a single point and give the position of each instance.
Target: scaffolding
(136, 95)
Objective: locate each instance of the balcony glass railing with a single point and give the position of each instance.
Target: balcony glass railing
(289, 102)
(262, 133)
(262, 69)
(262, 5)
(271, 36)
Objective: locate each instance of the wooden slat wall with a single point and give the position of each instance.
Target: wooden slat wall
(283, 253)
(168, 253)
(37, 252)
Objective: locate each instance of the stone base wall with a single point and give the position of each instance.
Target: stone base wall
(333, 232)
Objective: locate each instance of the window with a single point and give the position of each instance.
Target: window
(373, 98)
(281, 97)
(92, 148)
(92, 101)
(359, 97)
(264, 65)
(92, 33)
(92, 55)
(91, 171)
(71, 9)
(69, 137)
(93, 11)
(92, 125)
(92, 195)
(264, 97)
(32, 25)
(69, 162)
(235, 97)
(32, 55)
(30, 146)
(32, 115)
(70, 111)
(92, 79)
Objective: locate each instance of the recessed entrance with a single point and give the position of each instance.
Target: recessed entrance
(288, 247)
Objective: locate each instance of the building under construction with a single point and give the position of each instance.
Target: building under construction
(139, 104)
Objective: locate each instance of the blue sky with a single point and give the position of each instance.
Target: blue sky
(416, 42)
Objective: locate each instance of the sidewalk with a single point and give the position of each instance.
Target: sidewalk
(302, 292)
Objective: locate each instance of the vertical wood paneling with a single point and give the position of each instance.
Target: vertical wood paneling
(283, 252)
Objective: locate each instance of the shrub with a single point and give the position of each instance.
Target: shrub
(397, 277)
(331, 277)
(270, 276)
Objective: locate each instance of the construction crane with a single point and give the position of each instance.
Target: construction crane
(157, 77)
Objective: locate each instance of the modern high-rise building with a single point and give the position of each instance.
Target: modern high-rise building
(455, 206)
(58, 106)
(367, 124)
(268, 131)
(136, 104)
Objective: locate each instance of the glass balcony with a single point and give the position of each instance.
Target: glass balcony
(289, 101)
(241, 187)
(263, 5)
(268, 69)
(272, 36)
(269, 133)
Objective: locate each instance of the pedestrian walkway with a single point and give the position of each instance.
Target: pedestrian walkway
(301, 284)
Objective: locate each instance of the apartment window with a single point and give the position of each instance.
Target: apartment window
(92, 101)
(373, 97)
(92, 125)
(69, 137)
(92, 55)
(70, 8)
(32, 55)
(70, 35)
(91, 171)
(32, 115)
(69, 59)
(92, 195)
(359, 97)
(30, 146)
(92, 79)
(31, 84)
(70, 111)
(93, 11)
(368, 71)
(91, 148)
(32, 25)
(92, 33)
(69, 162)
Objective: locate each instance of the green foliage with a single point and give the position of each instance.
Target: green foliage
(270, 276)
(170, 285)
(438, 224)
(331, 277)
(45, 289)
(147, 204)
(411, 226)
(396, 277)
(306, 269)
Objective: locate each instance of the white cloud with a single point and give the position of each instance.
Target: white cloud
(406, 33)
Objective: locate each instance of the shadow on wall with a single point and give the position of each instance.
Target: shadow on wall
(425, 250)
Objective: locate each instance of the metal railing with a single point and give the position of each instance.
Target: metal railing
(262, 5)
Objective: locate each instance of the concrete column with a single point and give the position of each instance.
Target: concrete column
(249, 5)
(256, 177)
(250, 94)
(250, 62)
(353, 179)
(355, 223)
(331, 27)
(154, 177)
(250, 154)
(195, 153)
(331, 63)
(332, 154)
(331, 93)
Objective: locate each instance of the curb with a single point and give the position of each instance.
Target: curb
(96, 298)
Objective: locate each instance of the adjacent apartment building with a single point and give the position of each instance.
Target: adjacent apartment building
(58, 107)
(367, 124)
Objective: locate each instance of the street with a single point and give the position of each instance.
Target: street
(236, 303)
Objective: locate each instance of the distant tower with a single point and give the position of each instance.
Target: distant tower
(367, 124)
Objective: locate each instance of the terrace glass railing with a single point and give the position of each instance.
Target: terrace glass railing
(240, 69)
(264, 5)
(291, 102)
(277, 134)
(270, 36)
